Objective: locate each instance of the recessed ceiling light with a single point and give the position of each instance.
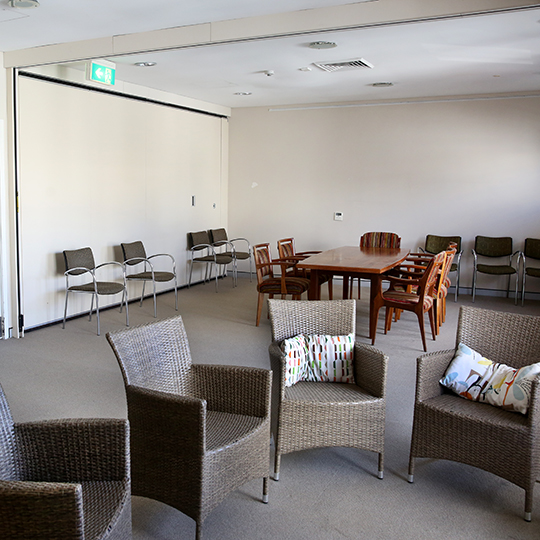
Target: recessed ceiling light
(382, 84)
(23, 3)
(145, 64)
(242, 93)
(322, 45)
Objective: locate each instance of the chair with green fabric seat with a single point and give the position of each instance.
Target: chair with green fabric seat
(495, 248)
(531, 251)
(435, 244)
(135, 255)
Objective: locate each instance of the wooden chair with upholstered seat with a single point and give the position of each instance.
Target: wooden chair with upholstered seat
(272, 284)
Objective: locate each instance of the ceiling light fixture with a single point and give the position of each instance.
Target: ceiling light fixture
(322, 45)
(382, 84)
(24, 3)
(145, 64)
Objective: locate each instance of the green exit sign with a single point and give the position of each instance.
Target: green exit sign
(101, 71)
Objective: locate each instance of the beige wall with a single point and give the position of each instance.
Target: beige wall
(448, 168)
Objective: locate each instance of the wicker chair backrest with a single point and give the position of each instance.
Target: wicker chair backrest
(509, 338)
(331, 317)
(155, 355)
(7, 445)
(76, 258)
(133, 250)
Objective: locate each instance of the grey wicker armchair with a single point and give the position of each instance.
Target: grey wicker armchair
(323, 414)
(64, 479)
(198, 431)
(447, 426)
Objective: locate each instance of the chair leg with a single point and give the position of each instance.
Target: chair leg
(198, 530)
(523, 289)
(265, 490)
(277, 465)
(474, 285)
(410, 477)
(422, 330)
(432, 323)
(142, 293)
(175, 293)
(528, 503)
(155, 302)
(259, 308)
(330, 289)
(97, 313)
(380, 472)
(125, 299)
(388, 319)
(65, 309)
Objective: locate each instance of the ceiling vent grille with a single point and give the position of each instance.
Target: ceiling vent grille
(347, 64)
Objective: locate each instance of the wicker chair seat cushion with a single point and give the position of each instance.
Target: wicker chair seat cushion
(321, 394)
(474, 377)
(495, 269)
(294, 285)
(101, 501)
(408, 298)
(147, 276)
(531, 271)
(224, 429)
(103, 287)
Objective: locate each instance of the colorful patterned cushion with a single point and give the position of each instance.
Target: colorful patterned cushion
(474, 377)
(319, 358)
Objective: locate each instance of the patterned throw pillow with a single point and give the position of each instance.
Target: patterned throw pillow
(330, 358)
(474, 377)
(319, 358)
(295, 349)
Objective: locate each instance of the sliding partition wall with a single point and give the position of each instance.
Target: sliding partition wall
(97, 169)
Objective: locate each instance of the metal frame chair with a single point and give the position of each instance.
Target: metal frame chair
(219, 239)
(134, 255)
(80, 262)
(530, 251)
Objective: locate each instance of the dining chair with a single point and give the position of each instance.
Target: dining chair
(135, 256)
(287, 250)
(531, 251)
(220, 239)
(273, 284)
(198, 431)
(435, 244)
(80, 264)
(496, 248)
(64, 479)
(376, 240)
(447, 426)
(202, 251)
(311, 414)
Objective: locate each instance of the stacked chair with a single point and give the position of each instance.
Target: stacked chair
(220, 239)
(530, 251)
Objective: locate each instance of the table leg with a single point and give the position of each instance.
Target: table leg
(314, 292)
(345, 286)
(375, 304)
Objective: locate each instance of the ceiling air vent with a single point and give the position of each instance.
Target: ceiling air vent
(347, 64)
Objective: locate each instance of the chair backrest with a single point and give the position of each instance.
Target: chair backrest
(509, 338)
(488, 246)
(429, 279)
(154, 355)
(435, 244)
(450, 254)
(75, 258)
(532, 248)
(262, 256)
(380, 240)
(7, 441)
(133, 250)
(288, 318)
(197, 238)
(286, 248)
(218, 235)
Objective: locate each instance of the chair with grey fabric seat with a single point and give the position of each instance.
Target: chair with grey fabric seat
(64, 479)
(198, 431)
(135, 255)
(200, 243)
(79, 263)
(495, 248)
(530, 251)
(219, 238)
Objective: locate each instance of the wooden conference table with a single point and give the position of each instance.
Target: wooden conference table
(353, 261)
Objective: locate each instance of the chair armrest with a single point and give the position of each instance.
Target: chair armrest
(109, 263)
(234, 389)
(167, 255)
(533, 415)
(78, 271)
(73, 450)
(307, 253)
(241, 239)
(39, 509)
(370, 369)
(430, 369)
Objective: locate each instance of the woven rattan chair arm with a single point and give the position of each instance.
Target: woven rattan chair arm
(370, 369)
(40, 510)
(234, 389)
(71, 450)
(278, 363)
(430, 369)
(534, 406)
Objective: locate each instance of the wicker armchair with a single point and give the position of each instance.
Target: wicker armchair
(64, 479)
(447, 426)
(322, 414)
(198, 431)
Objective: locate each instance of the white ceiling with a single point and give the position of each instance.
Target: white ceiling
(496, 53)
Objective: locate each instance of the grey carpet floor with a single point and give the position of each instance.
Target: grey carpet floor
(329, 494)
